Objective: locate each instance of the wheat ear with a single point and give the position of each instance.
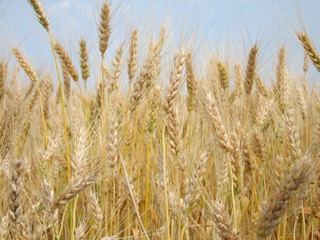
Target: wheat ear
(251, 69)
(72, 190)
(223, 76)
(95, 210)
(261, 87)
(133, 55)
(145, 76)
(293, 137)
(66, 60)
(238, 79)
(214, 116)
(223, 222)
(84, 60)
(47, 94)
(25, 65)
(15, 194)
(274, 208)
(176, 77)
(305, 62)
(40, 13)
(2, 80)
(66, 82)
(169, 108)
(191, 83)
(104, 28)
(310, 49)
(80, 232)
(116, 64)
(302, 104)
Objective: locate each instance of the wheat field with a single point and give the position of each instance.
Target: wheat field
(219, 154)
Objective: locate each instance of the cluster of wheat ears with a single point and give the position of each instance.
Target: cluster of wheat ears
(150, 160)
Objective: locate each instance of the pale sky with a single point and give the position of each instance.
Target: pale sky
(226, 27)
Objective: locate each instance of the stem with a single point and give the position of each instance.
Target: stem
(65, 129)
(233, 200)
(303, 223)
(133, 199)
(42, 116)
(147, 181)
(165, 187)
(74, 216)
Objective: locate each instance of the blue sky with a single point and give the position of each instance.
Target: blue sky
(224, 27)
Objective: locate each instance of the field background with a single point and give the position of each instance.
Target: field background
(159, 120)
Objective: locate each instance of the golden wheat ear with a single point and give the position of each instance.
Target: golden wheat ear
(133, 55)
(116, 64)
(2, 80)
(72, 190)
(251, 69)
(223, 75)
(84, 60)
(66, 61)
(272, 210)
(310, 49)
(224, 223)
(25, 65)
(191, 83)
(15, 192)
(172, 124)
(40, 13)
(104, 28)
